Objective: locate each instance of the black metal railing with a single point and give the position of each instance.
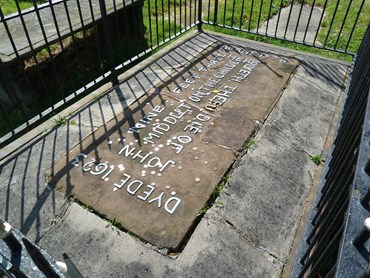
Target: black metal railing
(334, 243)
(322, 24)
(55, 52)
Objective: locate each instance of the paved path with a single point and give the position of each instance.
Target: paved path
(298, 23)
(250, 235)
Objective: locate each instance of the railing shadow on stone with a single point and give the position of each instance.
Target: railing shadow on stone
(21, 176)
(52, 76)
(67, 49)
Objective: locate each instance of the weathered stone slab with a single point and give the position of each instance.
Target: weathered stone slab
(153, 167)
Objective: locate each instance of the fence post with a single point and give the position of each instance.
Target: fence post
(215, 13)
(200, 20)
(107, 42)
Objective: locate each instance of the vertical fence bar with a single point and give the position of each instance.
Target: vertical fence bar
(208, 11)
(169, 18)
(215, 16)
(107, 42)
(298, 20)
(232, 16)
(200, 19)
(180, 16)
(185, 12)
(225, 9)
(96, 37)
(250, 16)
(309, 20)
(278, 19)
(56, 24)
(332, 22)
(354, 25)
(268, 16)
(156, 21)
(343, 23)
(259, 16)
(69, 20)
(289, 16)
(162, 17)
(241, 15)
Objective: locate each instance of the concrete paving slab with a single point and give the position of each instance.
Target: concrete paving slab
(226, 242)
(270, 184)
(266, 191)
(299, 121)
(215, 250)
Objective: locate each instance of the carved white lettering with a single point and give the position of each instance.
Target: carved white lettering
(171, 204)
(158, 198)
(146, 194)
(122, 182)
(134, 190)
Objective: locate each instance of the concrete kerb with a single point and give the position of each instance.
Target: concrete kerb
(219, 246)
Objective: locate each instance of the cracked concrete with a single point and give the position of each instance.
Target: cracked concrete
(249, 236)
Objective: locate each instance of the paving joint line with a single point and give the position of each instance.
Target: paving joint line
(57, 218)
(246, 238)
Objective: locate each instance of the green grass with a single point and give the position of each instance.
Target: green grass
(84, 68)
(249, 143)
(156, 8)
(215, 194)
(317, 159)
(9, 6)
(342, 25)
(245, 15)
(346, 25)
(282, 43)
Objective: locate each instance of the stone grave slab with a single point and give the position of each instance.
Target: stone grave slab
(153, 167)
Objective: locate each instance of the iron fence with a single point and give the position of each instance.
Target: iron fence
(54, 52)
(335, 241)
(332, 25)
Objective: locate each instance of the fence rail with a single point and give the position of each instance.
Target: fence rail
(53, 53)
(322, 24)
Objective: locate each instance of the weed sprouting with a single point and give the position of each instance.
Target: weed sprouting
(317, 159)
(250, 142)
(60, 120)
(114, 223)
